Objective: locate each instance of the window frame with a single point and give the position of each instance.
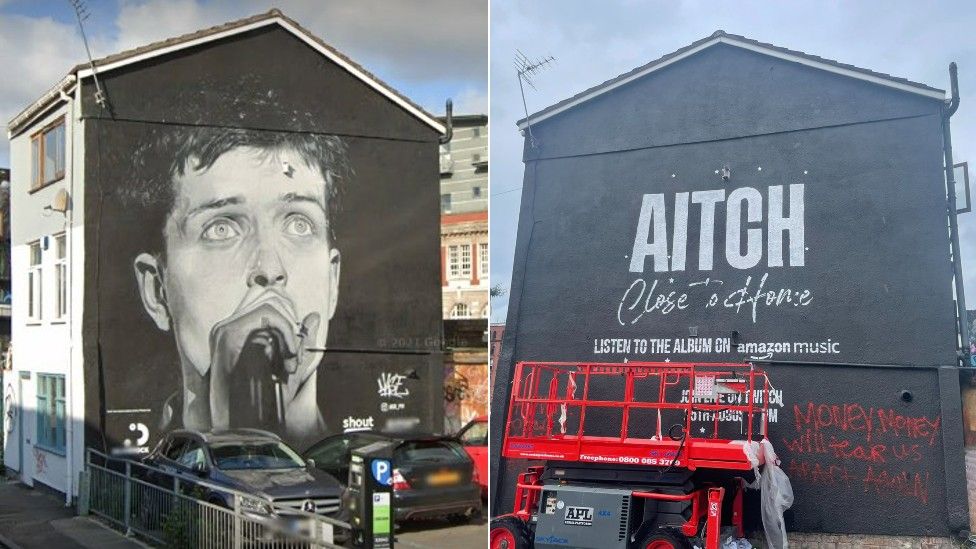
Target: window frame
(459, 308)
(35, 283)
(483, 259)
(61, 276)
(51, 404)
(455, 262)
(39, 179)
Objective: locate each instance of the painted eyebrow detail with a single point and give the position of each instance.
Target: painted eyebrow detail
(216, 204)
(295, 197)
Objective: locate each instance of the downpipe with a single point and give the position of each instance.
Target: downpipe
(448, 123)
(948, 109)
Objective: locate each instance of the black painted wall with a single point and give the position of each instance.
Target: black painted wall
(387, 322)
(869, 284)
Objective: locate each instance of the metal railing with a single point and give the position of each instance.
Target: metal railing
(171, 510)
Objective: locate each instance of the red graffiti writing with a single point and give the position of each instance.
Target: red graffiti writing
(870, 422)
(874, 450)
(881, 482)
(901, 483)
(812, 442)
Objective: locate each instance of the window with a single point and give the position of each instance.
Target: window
(475, 434)
(446, 202)
(61, 275)
(483, 258)
(192, 455)
(459, 260)
(460, 310)
(476, 192)
(47, 155)
(175, 448)
(34, 283)
(476, 132)
(50, 412)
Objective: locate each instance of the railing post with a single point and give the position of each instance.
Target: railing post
(128, 497)
(237, 522)
(84, 492)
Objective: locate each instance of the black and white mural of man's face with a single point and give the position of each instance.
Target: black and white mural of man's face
(247, 284)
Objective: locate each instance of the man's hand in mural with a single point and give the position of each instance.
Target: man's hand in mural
(259, 351)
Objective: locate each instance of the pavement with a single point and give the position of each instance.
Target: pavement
(441, 534)
(35, 518)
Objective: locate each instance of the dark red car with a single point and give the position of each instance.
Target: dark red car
(474, 437)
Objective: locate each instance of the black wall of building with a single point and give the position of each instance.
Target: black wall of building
(387, 319)
(870, 286)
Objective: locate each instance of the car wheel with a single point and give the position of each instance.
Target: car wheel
(664, 539)
(508, 533)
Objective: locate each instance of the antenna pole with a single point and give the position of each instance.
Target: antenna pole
(524, 106)
(527, 68)
(81, 13)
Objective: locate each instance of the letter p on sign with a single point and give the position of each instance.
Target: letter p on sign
(381, 471)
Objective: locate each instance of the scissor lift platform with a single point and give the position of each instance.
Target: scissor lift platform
(660, 415)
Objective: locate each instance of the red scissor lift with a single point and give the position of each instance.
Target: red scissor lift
(637, 421)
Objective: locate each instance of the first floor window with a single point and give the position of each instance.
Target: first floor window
(47, 155)
(50, 412)
(61, 276)
(34, 283)
(460, 310)
(483, 258)
(459, 261)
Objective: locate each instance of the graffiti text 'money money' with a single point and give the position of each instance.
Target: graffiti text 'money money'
(746, 214)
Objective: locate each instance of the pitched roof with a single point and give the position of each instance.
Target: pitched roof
(271, 17)
(722, 37)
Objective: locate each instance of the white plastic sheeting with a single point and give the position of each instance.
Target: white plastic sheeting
(776, 498)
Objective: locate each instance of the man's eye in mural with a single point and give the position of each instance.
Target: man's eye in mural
(220, 230)
(299, 225)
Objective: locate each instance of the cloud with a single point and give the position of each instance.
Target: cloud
(428, 50)
(471, 101)
(32, 59)
(412, 41)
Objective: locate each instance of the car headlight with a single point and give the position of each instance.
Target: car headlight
(251, 505)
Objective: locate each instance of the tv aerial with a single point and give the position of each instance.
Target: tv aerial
(82, 13)
(527, 69)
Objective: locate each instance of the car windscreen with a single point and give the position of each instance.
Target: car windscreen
(431, 451)
(255, 455)
(476, 434)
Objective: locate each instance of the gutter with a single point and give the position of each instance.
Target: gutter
(56, 93)
(948, 109)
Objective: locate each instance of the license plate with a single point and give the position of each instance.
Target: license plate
(443, 478)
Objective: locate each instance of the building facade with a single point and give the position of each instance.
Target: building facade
(464, 219)
(165, 288)
(793, 217)
(464, 270)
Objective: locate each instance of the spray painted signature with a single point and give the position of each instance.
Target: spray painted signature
(391, 385)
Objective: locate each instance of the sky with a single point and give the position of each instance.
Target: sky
(428, 50)
(914, 40)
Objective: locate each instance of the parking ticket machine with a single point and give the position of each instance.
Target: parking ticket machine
(371, 495)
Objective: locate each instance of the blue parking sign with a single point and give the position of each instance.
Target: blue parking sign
(382, 471)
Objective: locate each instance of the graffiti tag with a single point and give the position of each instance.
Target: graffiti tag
(391, 386)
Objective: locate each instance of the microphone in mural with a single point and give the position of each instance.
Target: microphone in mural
(242, 267)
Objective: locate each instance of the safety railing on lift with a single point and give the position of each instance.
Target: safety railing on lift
(609, 421)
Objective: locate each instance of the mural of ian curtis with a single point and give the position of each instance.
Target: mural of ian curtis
(243, 271)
